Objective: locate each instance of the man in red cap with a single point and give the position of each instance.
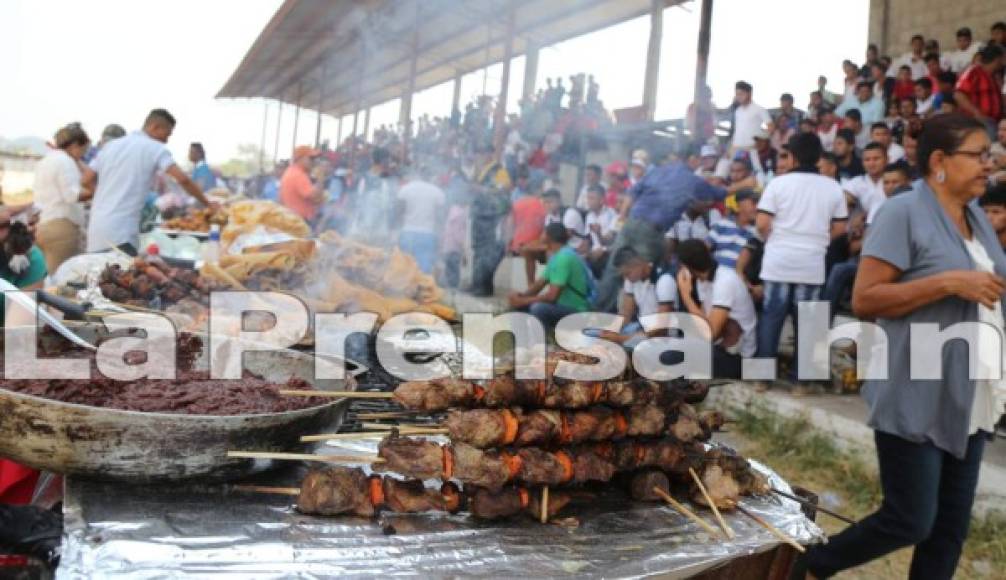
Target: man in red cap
(296, 191)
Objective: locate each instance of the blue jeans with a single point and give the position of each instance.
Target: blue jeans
(928, 495)
(422, 246)
(550, 314)
(840, 281)
(781, 299)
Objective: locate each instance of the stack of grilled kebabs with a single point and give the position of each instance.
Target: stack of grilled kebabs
(511, 440)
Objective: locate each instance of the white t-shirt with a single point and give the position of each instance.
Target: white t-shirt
(868, 192)
(606, 218)
(573, 221)
(57, 188)
(895, 152)
(126, 169)
(727, 290)
(958, 60)
(916, 63)
(649, 295)
(804, 205)
(748, 119)
(688, 229)
(923, 107)
(424, 202)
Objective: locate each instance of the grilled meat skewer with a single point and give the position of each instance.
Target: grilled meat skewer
(492, 469)
(506, 391)
(488, 428)
(330, 491)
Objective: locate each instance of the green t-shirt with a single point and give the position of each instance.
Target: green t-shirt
(35, 273)
(565, 270)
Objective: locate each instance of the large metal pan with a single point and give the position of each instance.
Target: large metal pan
(140, 447)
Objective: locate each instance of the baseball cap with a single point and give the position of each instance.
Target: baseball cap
(761, 133)
(304, 151)
(616, 168)
(709, 151)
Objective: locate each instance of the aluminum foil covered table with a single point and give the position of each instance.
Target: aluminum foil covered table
(122, 531)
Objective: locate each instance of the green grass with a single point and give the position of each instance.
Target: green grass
(811, 458)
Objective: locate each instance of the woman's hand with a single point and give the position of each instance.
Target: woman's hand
(982, 287)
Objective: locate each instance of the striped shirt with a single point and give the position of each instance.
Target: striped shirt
(726, 240)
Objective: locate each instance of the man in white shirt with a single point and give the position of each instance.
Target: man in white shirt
(647, 290)
(924, 96)
(723, 302)
(711, 165)
(881, 133)
(569, 217)
(914, 59)
(799, 214)
(748, 117)
(591, 177)
(868, 189)
(421, 205)
(600, 224)
(125, 170)
(960, 59)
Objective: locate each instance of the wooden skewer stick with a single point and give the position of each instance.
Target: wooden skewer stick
(387, 415)
(306, 457)
(686, 512)
(814, 506)
(712, 505)
(339, 394)
(268, 489)
(364, 435)
(403, 427)
(775, 531)
(544, 504)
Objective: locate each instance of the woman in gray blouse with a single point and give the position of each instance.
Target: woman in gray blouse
(929, 257)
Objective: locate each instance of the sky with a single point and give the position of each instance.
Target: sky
(111, 61)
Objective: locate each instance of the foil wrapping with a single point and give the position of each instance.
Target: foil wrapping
(121, 531)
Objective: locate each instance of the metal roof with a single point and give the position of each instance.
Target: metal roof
(362, 49)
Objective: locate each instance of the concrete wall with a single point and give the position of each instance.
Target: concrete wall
(937, 19)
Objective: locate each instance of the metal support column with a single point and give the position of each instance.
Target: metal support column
(296, 114)
(499, 119)
(702, 57)
(261, 149)
(321, 105)
(530, 70)
(338, 135)
(456, 99)
(366, 123)
(653, 58)
(405, 112)
(279, 120)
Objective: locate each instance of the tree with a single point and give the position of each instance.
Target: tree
(247, 163)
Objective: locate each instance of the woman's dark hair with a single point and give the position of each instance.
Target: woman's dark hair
(72, 134)
(695, 254)
(944, 133)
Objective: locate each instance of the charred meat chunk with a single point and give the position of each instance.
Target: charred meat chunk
(435, 395)
(642, 484)
(416, 458)
(335, 490)
(480, 468)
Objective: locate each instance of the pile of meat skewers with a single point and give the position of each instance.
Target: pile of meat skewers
(511, 439)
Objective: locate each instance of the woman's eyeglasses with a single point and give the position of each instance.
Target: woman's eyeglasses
(983, 156)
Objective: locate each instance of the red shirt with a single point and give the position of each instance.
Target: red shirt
(528, 220)
(904, 90)
(295, 190)
(982, 90)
